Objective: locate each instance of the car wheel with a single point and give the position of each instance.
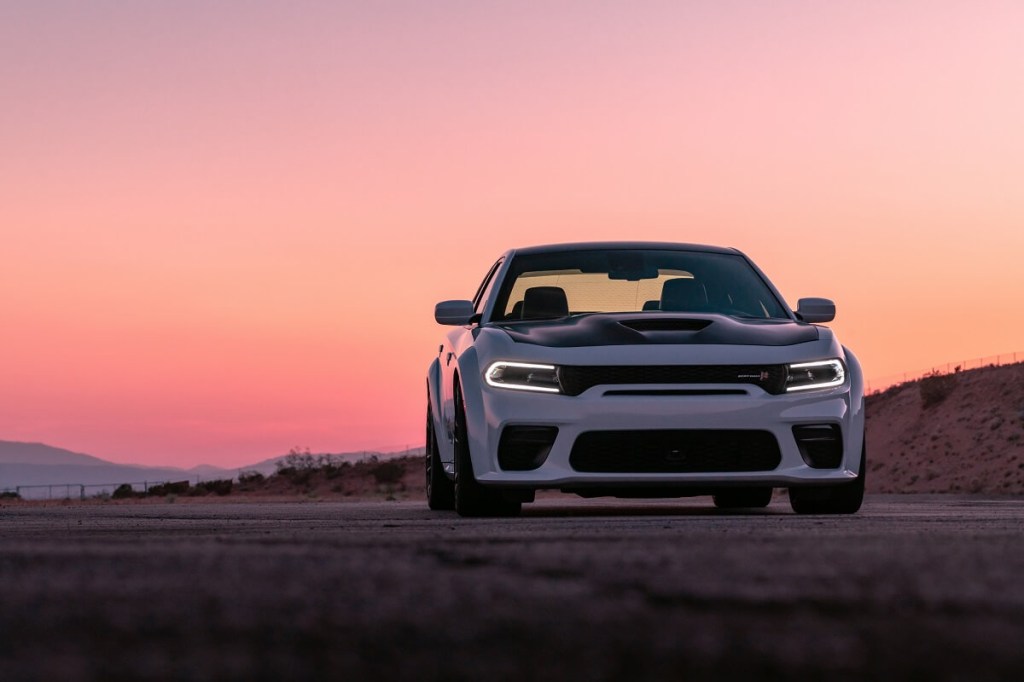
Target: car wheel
(743, 498)
(471, 498)
(440, 490)
(839, 499)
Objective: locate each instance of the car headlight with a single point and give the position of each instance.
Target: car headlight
(807, 376)
(523, 376)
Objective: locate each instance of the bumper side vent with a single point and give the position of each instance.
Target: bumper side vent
(524, 448)
(821, 445)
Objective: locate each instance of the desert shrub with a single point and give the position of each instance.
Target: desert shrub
(123, 491)
(335, 470)
(297, 476)
(10, 495)
(936, 387)
(387, 472)
(332, 466)
(298, 466)
(175, 488)
(296, 460)
(250, 477)
(220, 487)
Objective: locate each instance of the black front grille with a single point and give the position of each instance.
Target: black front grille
(577, 379)
(675, 451)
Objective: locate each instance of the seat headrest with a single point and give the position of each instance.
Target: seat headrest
(684, 294)
(544, 303)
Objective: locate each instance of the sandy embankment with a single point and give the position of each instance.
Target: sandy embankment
(972, 441)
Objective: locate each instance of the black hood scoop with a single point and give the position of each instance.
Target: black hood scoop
(666, 324)
(658, 328)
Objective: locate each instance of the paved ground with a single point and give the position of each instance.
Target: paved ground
(912, 588)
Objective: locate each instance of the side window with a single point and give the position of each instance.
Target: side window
(485, 288)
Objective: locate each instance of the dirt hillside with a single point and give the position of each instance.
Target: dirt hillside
(960, 432)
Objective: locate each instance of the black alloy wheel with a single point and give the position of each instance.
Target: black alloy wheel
(440, 489)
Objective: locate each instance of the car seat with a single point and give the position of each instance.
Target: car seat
(545, 303)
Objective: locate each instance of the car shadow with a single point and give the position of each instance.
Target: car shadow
(582, 509)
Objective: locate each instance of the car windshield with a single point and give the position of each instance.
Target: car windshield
(558, 284)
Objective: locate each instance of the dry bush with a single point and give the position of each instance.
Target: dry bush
(175, 488)
(250, 478)
(387, 472)
(220, 487)
(936, 387)
(123, 492)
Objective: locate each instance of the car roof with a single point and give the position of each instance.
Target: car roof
(618, 246)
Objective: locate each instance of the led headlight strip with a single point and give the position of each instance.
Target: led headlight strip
(808, 376)
(523, 376)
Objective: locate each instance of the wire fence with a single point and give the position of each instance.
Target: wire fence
(67, 491)
(879, 384)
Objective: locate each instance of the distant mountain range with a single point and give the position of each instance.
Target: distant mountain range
(27, 465)
(39, 470)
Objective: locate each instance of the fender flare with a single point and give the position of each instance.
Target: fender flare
(858, 426)
(470, 381)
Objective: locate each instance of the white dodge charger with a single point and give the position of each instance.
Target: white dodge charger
(635, 369)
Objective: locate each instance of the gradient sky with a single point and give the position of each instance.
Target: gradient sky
(225, 224)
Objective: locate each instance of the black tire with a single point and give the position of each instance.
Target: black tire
(440, 489)
(838, 499)
(471, 498)
(743, 498)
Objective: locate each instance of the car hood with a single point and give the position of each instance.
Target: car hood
(658, 328)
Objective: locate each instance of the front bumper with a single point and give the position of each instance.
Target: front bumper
(594, 411)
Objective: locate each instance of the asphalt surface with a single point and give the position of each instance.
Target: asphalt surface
(913, 587)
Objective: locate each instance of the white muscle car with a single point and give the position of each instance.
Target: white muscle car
(636, 369)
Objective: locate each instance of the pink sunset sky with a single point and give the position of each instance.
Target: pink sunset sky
(225, 224)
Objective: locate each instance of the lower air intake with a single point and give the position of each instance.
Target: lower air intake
(524, 448)
(675, 451)
(821, 445)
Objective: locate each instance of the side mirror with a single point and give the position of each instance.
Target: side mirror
(816, 310)
(454, 312)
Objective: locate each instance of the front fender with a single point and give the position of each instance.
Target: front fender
(855, 441)
(471, 382)
(434, 397)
